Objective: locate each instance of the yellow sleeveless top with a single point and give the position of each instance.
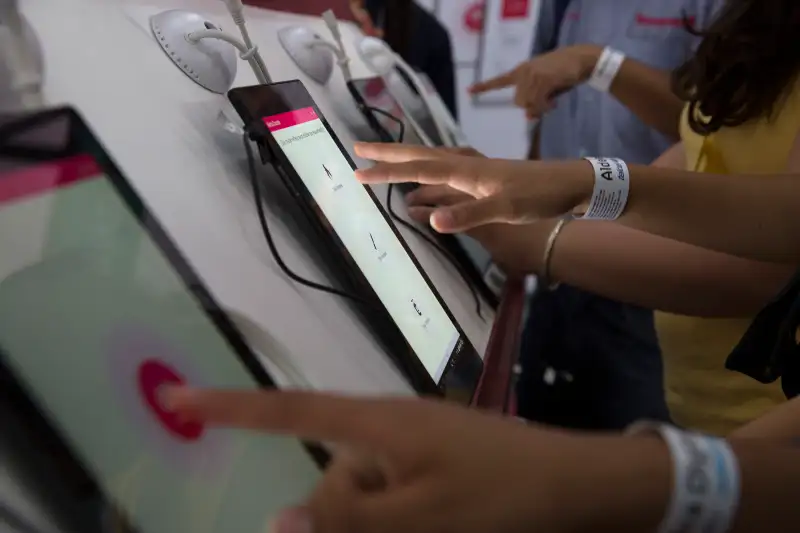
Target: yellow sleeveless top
(701, 393)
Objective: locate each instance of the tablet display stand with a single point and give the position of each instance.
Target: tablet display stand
(496, 389)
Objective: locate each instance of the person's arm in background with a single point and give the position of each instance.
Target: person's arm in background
(645, 90)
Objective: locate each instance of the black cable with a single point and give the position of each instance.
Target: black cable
(262, 218)
(408, 225)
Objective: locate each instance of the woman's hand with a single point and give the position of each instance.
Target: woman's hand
(538, 81)
(411, 465)
(500, 191)
(517, 249)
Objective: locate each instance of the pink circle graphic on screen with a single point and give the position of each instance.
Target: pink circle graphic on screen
(141, 361)
(153, 375)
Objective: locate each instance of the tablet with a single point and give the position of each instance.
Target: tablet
(374, 93)
(98, 311)
(458, 137)
(320, 172)
(406, 94)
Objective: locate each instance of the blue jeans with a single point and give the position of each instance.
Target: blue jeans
(589, 362)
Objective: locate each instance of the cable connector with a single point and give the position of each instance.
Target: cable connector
(342, 59)
(236, 10)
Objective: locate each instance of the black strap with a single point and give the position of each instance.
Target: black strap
(769, 348)
(560, 10)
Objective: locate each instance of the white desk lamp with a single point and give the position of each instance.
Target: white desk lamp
(203, 51)
(310, 52)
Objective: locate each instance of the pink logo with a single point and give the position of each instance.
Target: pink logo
(473, 17)
(515, 9)
(152, 376)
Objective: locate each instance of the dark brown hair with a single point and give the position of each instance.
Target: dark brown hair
(745, 65)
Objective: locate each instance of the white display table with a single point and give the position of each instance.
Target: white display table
(164, 132)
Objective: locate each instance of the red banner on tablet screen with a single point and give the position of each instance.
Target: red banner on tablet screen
(34, 180)
(516, 9)
(290, 118)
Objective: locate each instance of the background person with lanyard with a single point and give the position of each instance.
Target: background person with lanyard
(414, 33)
(590, 362)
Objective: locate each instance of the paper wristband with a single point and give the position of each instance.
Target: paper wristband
(706, 481)
(606, 69)
(611, 187)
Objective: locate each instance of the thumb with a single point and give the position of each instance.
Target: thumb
(467, 215)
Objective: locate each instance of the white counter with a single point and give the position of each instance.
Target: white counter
(163, 131)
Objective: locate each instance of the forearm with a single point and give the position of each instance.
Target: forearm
(644, 90)
(780, 424)
(631, 485)
(747, 216)
(658, 273)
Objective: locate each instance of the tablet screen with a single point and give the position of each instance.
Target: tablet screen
(94, 318)
(368, 237)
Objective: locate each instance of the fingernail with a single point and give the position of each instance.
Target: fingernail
(442, 219)
(293, 521)
(173, 396)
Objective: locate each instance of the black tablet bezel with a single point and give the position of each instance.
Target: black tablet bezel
(462, 374)
(82, 141)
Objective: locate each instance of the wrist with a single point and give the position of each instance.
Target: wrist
(540, 233)
(579, 176)
(625, 484)
(588, 55)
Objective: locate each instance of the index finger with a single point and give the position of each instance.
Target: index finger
(500, 82)
(425, 172)
(396, 152)
(306, 415)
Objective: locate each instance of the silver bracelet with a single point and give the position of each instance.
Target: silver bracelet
(544, 277)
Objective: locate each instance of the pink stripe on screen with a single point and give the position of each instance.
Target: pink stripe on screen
(290, 118)
(38, 179)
